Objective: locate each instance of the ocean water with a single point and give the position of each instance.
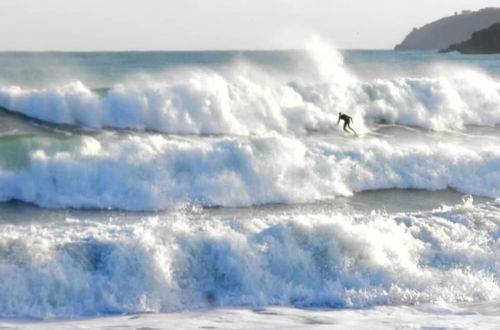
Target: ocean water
(204, 186)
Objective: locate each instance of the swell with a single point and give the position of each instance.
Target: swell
(245, 100)
(154, 172)
(191, 260)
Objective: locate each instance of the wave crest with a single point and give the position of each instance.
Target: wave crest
(245, 100)
(154, 172)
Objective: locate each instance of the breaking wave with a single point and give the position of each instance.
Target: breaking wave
(192, 261)
(245, 99)
(153, 172)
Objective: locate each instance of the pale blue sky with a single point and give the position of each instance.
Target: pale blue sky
(215, 24)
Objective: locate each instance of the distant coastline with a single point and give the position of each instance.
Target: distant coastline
(449, 30)
(486, 41)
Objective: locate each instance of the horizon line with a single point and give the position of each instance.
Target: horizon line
(180, 50)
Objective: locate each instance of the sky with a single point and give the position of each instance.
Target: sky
(216, 24)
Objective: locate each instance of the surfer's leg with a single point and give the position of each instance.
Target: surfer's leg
(346, 124)
(352, 129)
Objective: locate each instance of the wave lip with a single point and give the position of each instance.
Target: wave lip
(244, 100)
(448, 102)
(204, 104)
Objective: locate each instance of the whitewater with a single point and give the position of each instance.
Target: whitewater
(215, 189)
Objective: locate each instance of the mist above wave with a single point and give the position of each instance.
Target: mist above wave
(245, 99)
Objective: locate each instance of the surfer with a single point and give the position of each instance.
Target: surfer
(347, 122)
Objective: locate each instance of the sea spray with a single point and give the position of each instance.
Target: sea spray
(320, 259)
(246, 99)
(249, 193)
(154, 172)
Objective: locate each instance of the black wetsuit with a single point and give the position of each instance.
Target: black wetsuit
(347, 122)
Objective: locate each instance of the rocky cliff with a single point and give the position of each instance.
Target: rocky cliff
(450, 30)
(486, 41)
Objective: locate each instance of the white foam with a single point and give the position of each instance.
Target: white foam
(154, 172)
(433, 316)
(244, 99)
(193, 260)
(451, 101)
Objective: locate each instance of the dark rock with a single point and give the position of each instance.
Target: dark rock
(449, 30)
(485, 41)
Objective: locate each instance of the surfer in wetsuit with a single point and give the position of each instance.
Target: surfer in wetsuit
(347, 122)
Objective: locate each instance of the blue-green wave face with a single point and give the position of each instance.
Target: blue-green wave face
(16, 150)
